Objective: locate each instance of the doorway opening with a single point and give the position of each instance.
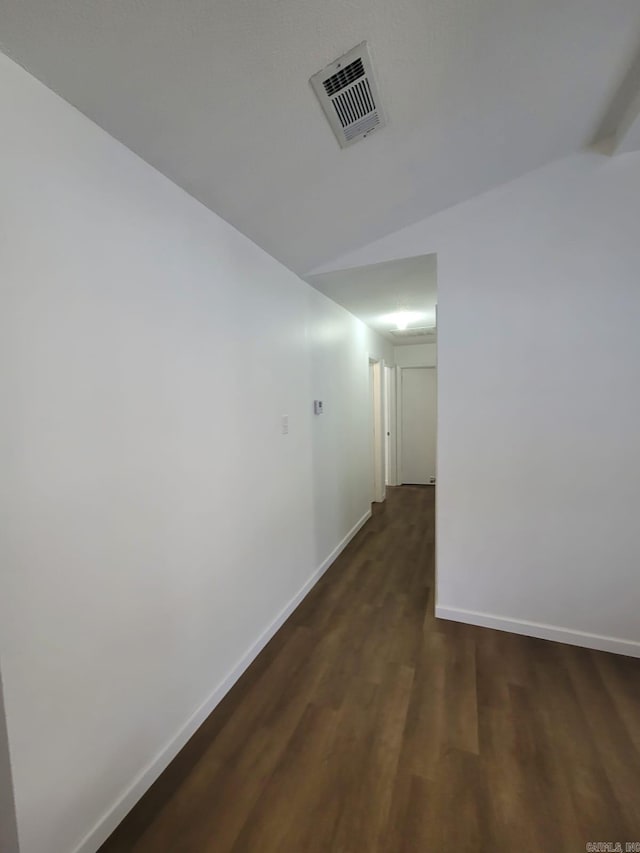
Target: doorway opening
(395, 408)
(397, 300)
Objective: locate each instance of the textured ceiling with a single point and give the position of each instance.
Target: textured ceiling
(374, 292)
(215, 94)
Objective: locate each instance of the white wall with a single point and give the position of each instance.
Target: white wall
(415, 355)
(338, 341)
(538, 404)
(157, 521)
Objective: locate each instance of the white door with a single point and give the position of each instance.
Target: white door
(387, 425)
(377, 431)
(418, 450)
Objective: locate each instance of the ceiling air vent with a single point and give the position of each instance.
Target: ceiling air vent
(418, 332)
(349, 96)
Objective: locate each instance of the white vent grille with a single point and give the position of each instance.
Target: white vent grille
(349, 96)
(342, 78)
(418, 332)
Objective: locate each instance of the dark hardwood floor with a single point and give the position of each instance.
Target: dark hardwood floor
(368, 725)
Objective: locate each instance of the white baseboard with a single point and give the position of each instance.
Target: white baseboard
(324, 565)
(540, 630)
(106, 825)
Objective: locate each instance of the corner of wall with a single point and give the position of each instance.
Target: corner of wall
(8, 822)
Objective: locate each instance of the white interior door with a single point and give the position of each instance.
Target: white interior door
(387, 425)
(377, 431)
(418, 411)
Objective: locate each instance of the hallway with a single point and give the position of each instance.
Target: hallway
(367, 725)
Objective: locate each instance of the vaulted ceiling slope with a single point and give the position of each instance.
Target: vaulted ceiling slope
(215, 94)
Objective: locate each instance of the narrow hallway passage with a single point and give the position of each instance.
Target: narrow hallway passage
(368, 725)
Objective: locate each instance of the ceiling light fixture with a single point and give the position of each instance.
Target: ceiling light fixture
(401, 319)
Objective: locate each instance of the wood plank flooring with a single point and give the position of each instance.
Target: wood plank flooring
(368, 726)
